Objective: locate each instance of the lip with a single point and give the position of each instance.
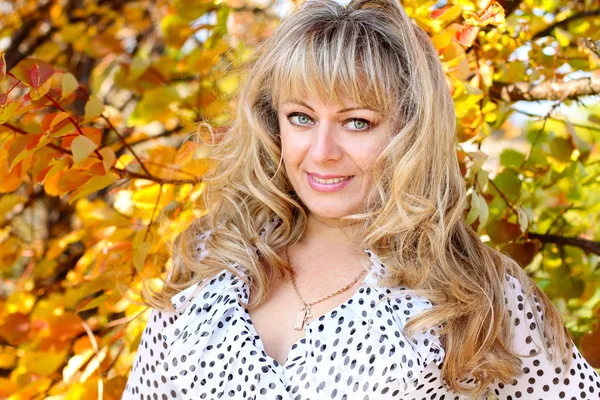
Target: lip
(323, 187)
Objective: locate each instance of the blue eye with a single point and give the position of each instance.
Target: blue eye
(361, 124)
(302, 120)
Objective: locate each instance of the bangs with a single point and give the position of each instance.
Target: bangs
(334, 61)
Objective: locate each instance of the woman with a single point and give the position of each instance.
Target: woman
(334, 261)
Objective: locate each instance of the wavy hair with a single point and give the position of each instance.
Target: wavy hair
(413, 218)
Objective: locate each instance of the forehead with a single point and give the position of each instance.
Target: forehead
(335, 99)
(342, 105)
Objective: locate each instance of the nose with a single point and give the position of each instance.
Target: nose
(325, 146)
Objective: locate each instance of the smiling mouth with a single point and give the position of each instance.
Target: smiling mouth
(331, 181)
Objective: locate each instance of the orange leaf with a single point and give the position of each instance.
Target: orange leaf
(15, 328)
(501, 231)
(590, 348)
(94, 134)
(51, 182)
(447, 13)
(10, 181)
(72, 179)
(20, 147)
(65, 326)
(522, 253)
(53, 120)
(466, 35)
(186, 152)
(42, 163)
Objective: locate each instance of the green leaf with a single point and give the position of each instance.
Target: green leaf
(509, 183)
(474, 211)
(511, 158)
(484, 211)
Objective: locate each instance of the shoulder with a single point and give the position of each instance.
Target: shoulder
(526, 314)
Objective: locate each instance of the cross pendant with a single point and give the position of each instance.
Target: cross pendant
(303, 316)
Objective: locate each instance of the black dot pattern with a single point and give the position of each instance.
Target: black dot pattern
(209, 349)
(541, 377)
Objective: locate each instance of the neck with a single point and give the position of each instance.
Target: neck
(325, 234)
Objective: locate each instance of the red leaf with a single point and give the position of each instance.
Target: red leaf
(34, 75)
(2, 67)
(24, 69)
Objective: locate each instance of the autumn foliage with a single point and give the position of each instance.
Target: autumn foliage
(101, 107)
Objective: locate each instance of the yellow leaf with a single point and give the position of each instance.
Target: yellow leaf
(146, 197)
(564, 38)
(108, 158)
(95, 184)
(139, 255)
(41, 91)
(60, 117)
(447, 13)
(82, 147)
(69, 84)
(61, 165)
(93, 364)
(44, 363)
(93, 108)
(137, 67)
(229, 84)
(19, 302)
(442, 40)
(75, 364)
(124, 160)
(8, 111)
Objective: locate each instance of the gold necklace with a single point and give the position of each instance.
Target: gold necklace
(304, 314)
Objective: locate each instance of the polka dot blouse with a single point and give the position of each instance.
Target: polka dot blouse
(209, 349)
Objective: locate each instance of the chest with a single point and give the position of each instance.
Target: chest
(275, 319)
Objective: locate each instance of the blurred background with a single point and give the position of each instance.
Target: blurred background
(100, 105)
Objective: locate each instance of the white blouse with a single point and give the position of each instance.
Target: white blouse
(209, 349)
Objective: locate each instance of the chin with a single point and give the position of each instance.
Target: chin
(330, 212)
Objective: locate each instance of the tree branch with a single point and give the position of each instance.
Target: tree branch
(509, 6)
(548, 90)
(585, 244)
(13, 55)
(563, 23)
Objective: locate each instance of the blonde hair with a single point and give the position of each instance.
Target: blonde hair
(413, 218)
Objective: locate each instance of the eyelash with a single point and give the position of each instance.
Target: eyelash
(294, 114)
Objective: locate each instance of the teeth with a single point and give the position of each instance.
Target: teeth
(329, 181)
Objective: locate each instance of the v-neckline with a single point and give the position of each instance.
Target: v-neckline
(367, 280)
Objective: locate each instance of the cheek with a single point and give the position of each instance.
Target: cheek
(366, 154)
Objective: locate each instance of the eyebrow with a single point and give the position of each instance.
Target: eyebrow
(299, 102)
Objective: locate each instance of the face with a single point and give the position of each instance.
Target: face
(328, 152)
